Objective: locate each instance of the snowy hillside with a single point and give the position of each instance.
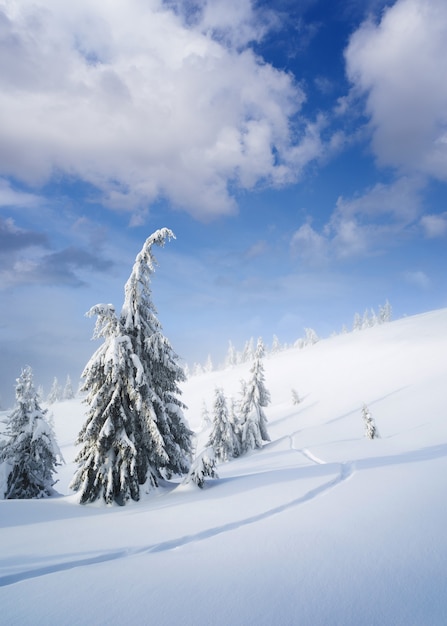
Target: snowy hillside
(321, 526)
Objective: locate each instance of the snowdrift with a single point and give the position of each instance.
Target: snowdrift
(321, 526)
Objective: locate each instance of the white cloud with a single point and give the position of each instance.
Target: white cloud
(310, 245)
(418, 279)
(259, 248)
(363, 225)
(400, 64)
(400, 201)
(10, 197)
(131, 99)
(435, 225)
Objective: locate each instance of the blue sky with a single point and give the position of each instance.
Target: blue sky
(298, 150)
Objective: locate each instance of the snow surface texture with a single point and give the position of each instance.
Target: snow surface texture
(320, 526)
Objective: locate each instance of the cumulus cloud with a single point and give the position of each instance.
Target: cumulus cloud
(310, 245)
(399, 201)
(10, 197)
(400, 65)
(259, 248)
(434, 225)
(363, 224)
(141, 103)
(418, 279)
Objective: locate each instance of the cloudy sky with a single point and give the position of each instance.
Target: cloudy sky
(298, 150)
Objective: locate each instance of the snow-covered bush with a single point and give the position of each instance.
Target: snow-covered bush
(202, 467)
(371, 431)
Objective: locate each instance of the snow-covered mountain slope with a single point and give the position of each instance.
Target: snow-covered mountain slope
(321, 526)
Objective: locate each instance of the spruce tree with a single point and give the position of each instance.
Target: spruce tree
(30, 452)
(113, 461)
(68, 393)
(135, 431)
(55, 392)
(161, 369)
(223, 438)
(255, 397)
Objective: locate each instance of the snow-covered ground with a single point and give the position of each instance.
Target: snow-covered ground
(321, 526)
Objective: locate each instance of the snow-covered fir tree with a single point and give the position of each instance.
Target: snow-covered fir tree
(113, 461)
(206, 419)
(255, 397)
(295, 397)
(357, 323)
(30, 454)
(224, 438)
(55, 394)
(161, 367)
(373, 320)
(202, 467)
(371, 431)
(249, 351)
(209, 364)
(68, 393)
(311, 337)
(366, 320)
(231, 357)
(197, 369)
(276, 345)
(385, 313)
(135, 431)
(40, 393)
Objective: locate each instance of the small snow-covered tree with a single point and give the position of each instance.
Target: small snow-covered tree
(68, 393)
(231, 358)
(55, 394)
(223, 438)
(371, 431)
(255, 397)
(295, 397)
(249, 351)
(276, 345)
(385, 313)
(202, 467)
(311, 337)
(357, 323)
(197, 369)
(209, 364)
(30, 453)
(366, 320)
(373, 320)
(206, 419)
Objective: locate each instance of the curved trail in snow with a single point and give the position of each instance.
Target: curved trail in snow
(345, 471)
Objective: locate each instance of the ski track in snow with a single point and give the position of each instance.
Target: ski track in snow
(346, 469)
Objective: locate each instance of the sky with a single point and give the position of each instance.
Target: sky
(297, 150)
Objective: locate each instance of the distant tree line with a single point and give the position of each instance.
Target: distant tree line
(236, 357)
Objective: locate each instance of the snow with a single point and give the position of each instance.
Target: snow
(321, 526)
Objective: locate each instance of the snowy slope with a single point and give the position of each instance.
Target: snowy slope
(321, 526)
